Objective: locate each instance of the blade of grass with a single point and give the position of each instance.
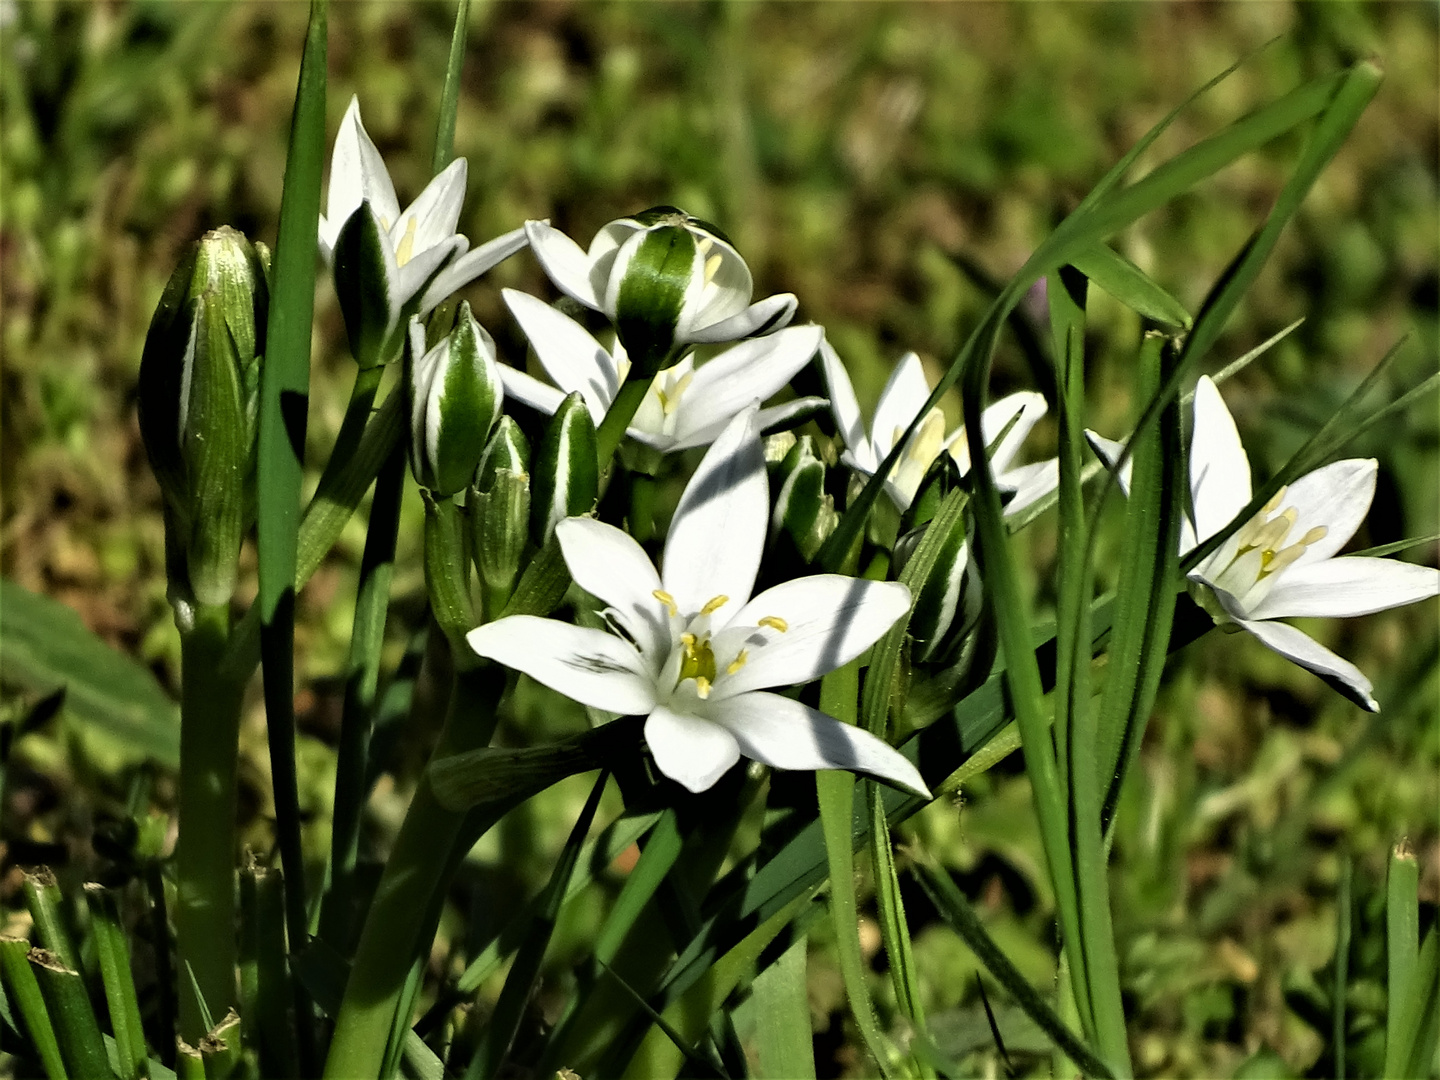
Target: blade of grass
(785, 1048)
(1402, 946)
(836, 790)
(114, 958)
(450, 93)
(1412, 1026)
(263, 904)
(284, 397)
(710, 1063)
(1127, 283)
(958, 913)
(505, 1021)
(46, 904)
(68, 1003)
(1145, 592)
(25, 993)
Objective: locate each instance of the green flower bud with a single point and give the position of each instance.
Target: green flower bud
(499, 533)
(508, 449)
(455, 396)
(566, 478)
(199, 399)
(803, 510)
(948, 601)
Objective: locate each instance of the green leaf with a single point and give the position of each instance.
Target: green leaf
(450, 94)
(45, 647)
(784, 1042)
(113, 955)
(24, 990)
(1127, 283)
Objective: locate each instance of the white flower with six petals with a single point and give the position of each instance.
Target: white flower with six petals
(904, 395)
(687, 405)
(1282, 563)
(693, 652)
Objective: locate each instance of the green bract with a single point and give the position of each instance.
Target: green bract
(199, 386)
(454, 393)
(803, 510)
(566, 479)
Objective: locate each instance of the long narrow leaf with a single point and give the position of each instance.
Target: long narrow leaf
(24, 991)
(114, 957)
(783, 1042)
(284, 397)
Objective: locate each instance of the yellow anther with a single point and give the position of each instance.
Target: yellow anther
(407, 244)
(1313, 536)
(666, 599)
(702, 686)
(711, 265)
(1275, 501)
(775, 623)
(688, 640)
(1278, 560)
(715, 604)
(739, 662)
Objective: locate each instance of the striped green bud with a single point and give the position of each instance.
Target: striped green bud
(508, 449)
(455, 396)
(499, 506)
(199, 396)
(566, 478)
(803, 510)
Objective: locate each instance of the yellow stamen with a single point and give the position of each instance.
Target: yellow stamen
(688, 640)
(715, 604)
(1275, 561)
(711, 265)
(702, 686)
(1275, 501)
(666, 599)
(1314, 535)
(739, 662)
(407, 244)
(775, 623)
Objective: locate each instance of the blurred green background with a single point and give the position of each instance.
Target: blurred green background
(880, 161)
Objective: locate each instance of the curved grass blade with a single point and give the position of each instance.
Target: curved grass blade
(956, 911)
(510, 1009)
(1127, 283)
(284, 397)
(25, 992)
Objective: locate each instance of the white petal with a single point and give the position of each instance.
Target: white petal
(900, 402)
(789, 735)
(1219, 469)
(719, 527)
(1344, 587)
(1030, 406)
(570, 356)
(472, 264)
(750, 371)
(714, 298)
(1336, 496)
(1030, 483)
(1109, 451)
(565, 264)
(588, 666)
(608, 564)
(531, 391)
(357, 173)
(437, 210)
(830, 620)
(1296, 646)
(762, 317)
(690, 750)
(845, 406)
(414, 279)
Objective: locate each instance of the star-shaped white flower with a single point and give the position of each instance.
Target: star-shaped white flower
(414, 256)
(693, 652)
(665, 279)
(902, 399)
(1282, 563)
(687, 405)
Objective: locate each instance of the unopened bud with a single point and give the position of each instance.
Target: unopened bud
(499, 532)
(455, 396)
(948, 600)
(507, 449)
(199, 394)
(803, 510)
(566, 479)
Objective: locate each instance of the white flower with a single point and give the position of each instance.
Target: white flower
(902, 399)
(1281, 563)
(665, 279)
(691, 650)
(686, 405)
(413, 258)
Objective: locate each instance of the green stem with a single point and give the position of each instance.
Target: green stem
(205, 850)
(622, 411)
(413, 874)
(377, 567)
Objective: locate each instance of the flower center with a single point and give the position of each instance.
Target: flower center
(694, 657)
(1261, 552)
(697, 662)
(669, 388)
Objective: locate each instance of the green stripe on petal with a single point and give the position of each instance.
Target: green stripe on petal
(649, 281)
(364, 266)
